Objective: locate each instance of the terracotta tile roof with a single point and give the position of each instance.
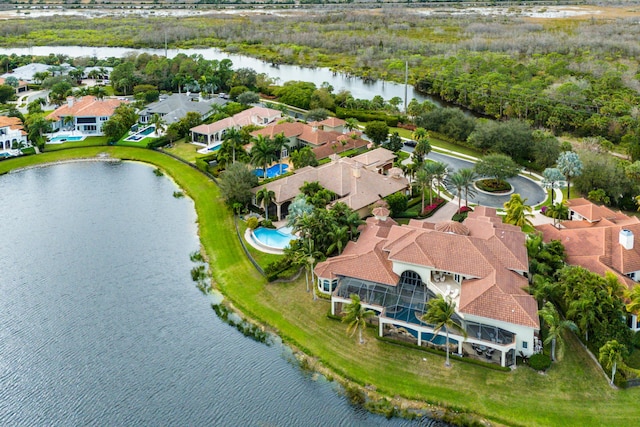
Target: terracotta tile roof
(12, 123)
(339, 177)
(375, 158)
(333, 122)
(327, 150)
(596, 245)
(593, 212)
(87, 106)
(492, 287)
(287, 128)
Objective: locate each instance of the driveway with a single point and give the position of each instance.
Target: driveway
(527, 188)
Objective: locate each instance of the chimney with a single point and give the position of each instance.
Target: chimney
(357, 170)
(626, 239)
(70, 101)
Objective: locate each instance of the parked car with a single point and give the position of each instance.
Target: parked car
(410, 143)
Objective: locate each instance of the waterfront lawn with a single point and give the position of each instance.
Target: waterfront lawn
(184, 150)
(572, 392)
(90, 141)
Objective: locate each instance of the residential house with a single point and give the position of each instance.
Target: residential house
(356, 185)
(28, 72)
(600, 240)
(481, 265)
(12, 136)
(86, 114)
(323, 142)
(174, 107)
(211, 135)
(22, 85)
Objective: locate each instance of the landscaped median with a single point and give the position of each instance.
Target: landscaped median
(572, 392)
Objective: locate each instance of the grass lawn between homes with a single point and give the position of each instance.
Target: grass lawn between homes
(572, 392)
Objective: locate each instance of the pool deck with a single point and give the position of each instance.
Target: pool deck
(249, 239)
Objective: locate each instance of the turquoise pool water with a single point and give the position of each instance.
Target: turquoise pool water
(273, 171)
(65, 138)
(278, 239)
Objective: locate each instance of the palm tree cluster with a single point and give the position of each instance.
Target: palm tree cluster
(323, 232)
(266, 150)
(594, 303)
(356, 315)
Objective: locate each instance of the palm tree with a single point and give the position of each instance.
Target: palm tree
(518, 213)
(420, 134)
(265, 196)
(469, 176)
(279, 142)
(585, 311)
(356, 315)
(457, 181)
(611, 354)
(423, 179)
(556, 327)
(67, 121)
(440, 314)
(570, 166)
(558, 211)
(263, 153)
(351, 124)
(440, 172)
(158, 122)
(422, 150)
(633, 306)
(234, 137)
(339, 237)
(430, 170)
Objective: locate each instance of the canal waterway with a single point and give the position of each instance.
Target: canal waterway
(357, 86)
(100, 323)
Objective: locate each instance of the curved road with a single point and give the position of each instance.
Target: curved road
(527, 188)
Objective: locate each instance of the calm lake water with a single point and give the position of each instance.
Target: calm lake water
(100, 323)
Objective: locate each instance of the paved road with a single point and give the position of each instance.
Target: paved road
(527, 188)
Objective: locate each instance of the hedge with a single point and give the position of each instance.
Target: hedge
(369, 116)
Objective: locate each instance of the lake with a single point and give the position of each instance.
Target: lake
(358, 87)
(101, 324)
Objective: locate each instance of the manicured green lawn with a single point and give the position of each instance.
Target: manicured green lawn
(439, 144)
(184, 150)
(572, 392)
(89, 141)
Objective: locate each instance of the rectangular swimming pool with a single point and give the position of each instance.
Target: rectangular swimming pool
(65, 138)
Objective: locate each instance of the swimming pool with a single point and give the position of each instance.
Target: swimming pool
(216, 148)
(277, 239)
(65, 138)
(142, 134)
(272, 171)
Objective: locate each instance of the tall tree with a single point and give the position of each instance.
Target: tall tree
(377, 131)
(158, 122)
(236, 183)
(440, 314)
(439, 174)
(584, 311)
(234, 137)
(356, 315)
(633, 296)
(266, 197)
(458, 181)
(611, 355)
(279, 142)
(556, 327)
(518, 212)
(469, 177)
(570, 165)
(263, 153)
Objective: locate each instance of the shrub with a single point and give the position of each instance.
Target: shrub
(267, 223)
(543, 210)
(430, 209)
(540, 362)
(252, 223)
(636, 339)
(493, 185)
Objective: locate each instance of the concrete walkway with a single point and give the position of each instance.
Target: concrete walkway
(444, 213)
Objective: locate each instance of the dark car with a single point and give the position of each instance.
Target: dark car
(410, 143)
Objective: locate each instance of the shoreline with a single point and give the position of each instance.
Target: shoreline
(398, 376)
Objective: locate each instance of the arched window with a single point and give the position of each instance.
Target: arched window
(410, 278)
